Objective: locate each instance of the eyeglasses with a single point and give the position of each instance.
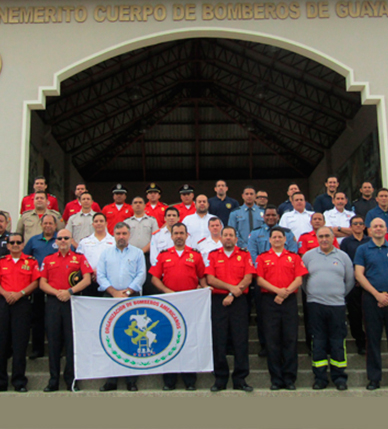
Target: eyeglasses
(358, 223)
(18, 242)
(324, 236)
(63, 238)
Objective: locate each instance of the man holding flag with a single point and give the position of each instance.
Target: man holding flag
(173, 265)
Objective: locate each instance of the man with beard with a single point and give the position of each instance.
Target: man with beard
(174, 265)
(230, 273)
(197, 224)
(221, 205)
(121, 272)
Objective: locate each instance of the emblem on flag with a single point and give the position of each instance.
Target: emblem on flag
(143, 333)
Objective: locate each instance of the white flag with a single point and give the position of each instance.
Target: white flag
(152, 334)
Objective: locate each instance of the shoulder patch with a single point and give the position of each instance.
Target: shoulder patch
(256, 229)
(203, 239)
(155, 232)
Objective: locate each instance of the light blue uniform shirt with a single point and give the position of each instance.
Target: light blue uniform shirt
(258, 241)
(121, 269)
(239, 219)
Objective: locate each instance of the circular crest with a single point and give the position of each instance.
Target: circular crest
(141, 333)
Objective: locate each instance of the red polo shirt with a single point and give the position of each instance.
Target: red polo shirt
(57, 268)
(114, 216)
(74, 207)
(179, 273)
(229, 270)
(309, 240)
(28, 203)
(15, 277)
(281, 270)
(157, 212)
(184, 211)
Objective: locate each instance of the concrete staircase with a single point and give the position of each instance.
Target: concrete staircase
(37, 370)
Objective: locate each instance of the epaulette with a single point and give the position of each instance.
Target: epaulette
(214, 250)
(237, 208)
(255, 229)
(163, 251)
(195, 250)
(286, 229)
(52, 195)
(2, 257)
(27, 211)
(244, 249)
(31, 257)
(156, 231)
(200, 241)
(305, 233)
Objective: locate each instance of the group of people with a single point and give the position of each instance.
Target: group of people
(250, 253)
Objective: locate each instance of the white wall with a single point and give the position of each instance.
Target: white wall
(39, 55)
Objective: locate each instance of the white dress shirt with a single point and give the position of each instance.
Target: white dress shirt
(197, 227)
(92, 248)
(335, 218)
(297, 222)
(160, 240)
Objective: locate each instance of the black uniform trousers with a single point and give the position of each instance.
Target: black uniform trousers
(259, 316)
(354, 306)
(328, 329)
(376, 319)
(15, 325)
(234, 319)
(92, 290)
(281, 332)
(38, 321)
(189, 378)
(59, 331)
(148, 287)
(307, 329)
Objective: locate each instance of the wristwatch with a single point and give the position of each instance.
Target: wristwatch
(339, 228)
(230, 294)
(71, 291)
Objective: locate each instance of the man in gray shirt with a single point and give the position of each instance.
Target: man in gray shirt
(81, 224)
(330, 279)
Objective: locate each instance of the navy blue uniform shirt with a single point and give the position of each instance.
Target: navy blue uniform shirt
(222, 209)
(375, 261)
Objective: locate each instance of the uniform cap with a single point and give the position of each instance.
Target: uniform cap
(186, 189)
(153, 187)
(119, 189)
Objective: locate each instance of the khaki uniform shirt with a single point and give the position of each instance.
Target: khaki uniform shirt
(80, 225)
(29, 223)
(141, 230)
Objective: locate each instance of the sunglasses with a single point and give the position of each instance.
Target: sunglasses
(63, 238)
(18, 242)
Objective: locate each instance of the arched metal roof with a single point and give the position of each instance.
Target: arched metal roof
(199, 109)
